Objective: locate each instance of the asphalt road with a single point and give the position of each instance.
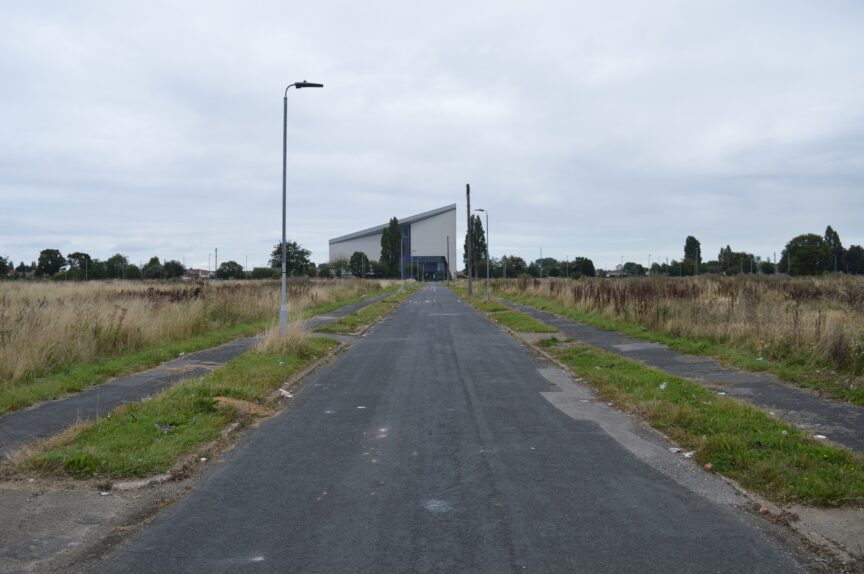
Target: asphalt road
(427, 447)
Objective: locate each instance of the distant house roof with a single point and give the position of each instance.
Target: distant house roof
(406, 221)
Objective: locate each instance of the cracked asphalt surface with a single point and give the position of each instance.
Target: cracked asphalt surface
(428, 447)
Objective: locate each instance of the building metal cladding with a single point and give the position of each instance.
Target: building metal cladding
(428, 244)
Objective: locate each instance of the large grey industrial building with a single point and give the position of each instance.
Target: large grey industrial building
(428, 240)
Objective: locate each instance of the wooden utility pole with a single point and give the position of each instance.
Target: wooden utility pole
(469, 267)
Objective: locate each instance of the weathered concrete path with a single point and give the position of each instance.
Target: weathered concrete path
(431, 445)
(51, 417)
(840, 422)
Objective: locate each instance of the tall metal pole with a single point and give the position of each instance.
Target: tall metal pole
(470, 254)
(488, 292)
(401, 261)
(283, 308)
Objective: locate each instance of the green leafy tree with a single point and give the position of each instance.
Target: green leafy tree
(633, 269)
(807, 254)
(855, 260)
(230, 270)
(692, 255)
(264, 273)
(132, 272)
(5, 266)
(297, 258)
(359, 264)
(391, 240)
(50, 262)
(767, 268)
(174, 269)
(478, 247)
(514, 265)
(324, 271)
(836, 248)
(584, 266)
(79, 261)
(115, 266)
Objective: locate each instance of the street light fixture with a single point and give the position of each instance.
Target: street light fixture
(487, 249)
(283, 309)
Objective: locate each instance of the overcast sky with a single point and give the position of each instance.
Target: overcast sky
(602, 129)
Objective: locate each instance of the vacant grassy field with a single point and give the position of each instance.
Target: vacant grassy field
(59, 337)
(808, 331)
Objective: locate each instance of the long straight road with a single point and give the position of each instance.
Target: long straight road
(428, 447)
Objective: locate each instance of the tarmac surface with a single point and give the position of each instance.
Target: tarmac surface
(840, 422)
(52, 417)
(432, 445)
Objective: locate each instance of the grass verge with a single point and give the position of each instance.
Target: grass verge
(763, 454)
(821, 379)
(500, 313)
(356, 321)
(91, 373)
(148, 437)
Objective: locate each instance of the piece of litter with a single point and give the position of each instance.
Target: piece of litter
(663, 386)
(771, 413)
(329, 412)
(784, 432)
(203, 459)
(820, 436)
(181, 354)
(675, 449)
(286, 394)
(361, 407)
(721, 393)
(708, 466)
(281, 363)
(104, 494)
(689, 454)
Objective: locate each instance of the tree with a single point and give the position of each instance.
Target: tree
(152, 271)
(230, 270)
(391, 241)
(633, 269)
(297, 258)
(174, 269)
(264, 273)
(514, 265)
(836, 248)
(50, 262)
(807, 254)
(766, 268)
(324, 271)
(855, 260)
(79, 261)
(115, 265)
(359, 264)
(584, 266)
(132, 272)
(478, 247)
(5, 266)
(692, 255)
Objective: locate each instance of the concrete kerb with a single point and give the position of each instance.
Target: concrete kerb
(815, 527)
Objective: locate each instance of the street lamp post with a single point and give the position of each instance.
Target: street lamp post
(283, 309)
(487, 249)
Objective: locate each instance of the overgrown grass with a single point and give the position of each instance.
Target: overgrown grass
(149, 437)
(95, 366)
(356, 321)
(763, 454)
(798, 370)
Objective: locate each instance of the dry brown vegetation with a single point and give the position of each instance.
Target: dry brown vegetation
(47, 326)
(819, 321)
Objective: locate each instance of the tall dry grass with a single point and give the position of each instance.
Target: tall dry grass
(45, 326)
(779, 317)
